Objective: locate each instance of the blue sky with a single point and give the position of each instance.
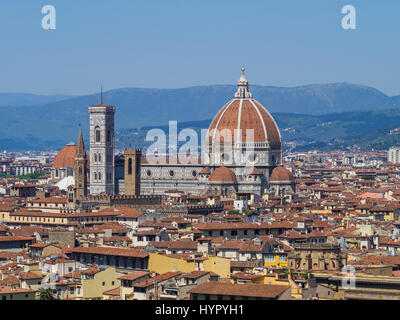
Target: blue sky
(180, 43)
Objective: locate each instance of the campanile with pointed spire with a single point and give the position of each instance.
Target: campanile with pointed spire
(80, 169)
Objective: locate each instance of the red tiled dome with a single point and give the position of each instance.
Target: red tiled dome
(281, 174)
(65, 157)
(222, 174)
(244, 113)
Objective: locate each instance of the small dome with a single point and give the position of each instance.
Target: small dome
(205, 170)
(65, 157)
(281, 174)
(223, 174)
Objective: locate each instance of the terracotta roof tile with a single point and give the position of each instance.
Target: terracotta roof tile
(248, 289)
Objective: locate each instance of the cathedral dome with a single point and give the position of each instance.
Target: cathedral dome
(222, 174)
(281, 174)
(243, 112)
(65, 157)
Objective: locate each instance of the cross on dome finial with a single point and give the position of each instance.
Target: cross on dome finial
(243, 87)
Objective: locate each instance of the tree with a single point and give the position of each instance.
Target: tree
(368, 178)
(33, 176)
(47, 294)
(250, 212)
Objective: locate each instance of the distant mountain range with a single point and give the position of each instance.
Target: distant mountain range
(28, 99)
(368, 130)
(308, 115)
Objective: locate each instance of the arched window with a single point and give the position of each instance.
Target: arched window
(95, 176)
(99, 176)
(80, 171)
(99, 157)
(130, 166)
(95, 157)
(97, 133)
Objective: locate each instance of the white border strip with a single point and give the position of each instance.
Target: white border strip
(261, 118)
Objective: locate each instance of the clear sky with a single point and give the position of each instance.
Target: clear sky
(180, 43)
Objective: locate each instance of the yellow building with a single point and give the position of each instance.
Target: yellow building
(323, 211)
(218, 265)
(161, 263)
(275, 260)
(93, 283)
(5, 211)
(28, 217)
(280, 279)
(94, 286)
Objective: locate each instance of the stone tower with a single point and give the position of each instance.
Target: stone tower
(102, 178)
(132, 172)
(80, 169)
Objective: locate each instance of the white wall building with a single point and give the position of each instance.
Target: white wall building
(394, 155)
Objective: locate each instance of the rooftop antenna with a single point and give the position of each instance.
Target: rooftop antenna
(101, 94)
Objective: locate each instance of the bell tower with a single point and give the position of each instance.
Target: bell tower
(132, 172)
(80, 169)
(102, 178)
